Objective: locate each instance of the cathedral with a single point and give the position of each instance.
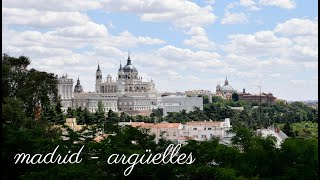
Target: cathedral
(225, 91)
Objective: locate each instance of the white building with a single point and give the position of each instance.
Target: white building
(275, 132)
(65, 91)
(197, 130)
(174, 103)
(204, 130)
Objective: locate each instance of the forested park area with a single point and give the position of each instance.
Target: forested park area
(31, 111)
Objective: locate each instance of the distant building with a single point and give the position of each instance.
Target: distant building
(195, 130)
(172, 93)
(174, 103)
(200, 93)
(205, 130)
(225, 91)
(72, 124)
(237, 108)
(275, 132)
(312, 104)
(65, 86)
(265, 98)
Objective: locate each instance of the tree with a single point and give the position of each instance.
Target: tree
(13, 75)
(298, 153)
(87, 116)
(71, 113)
(235, 97)
(243, 138)
(157, 114)
(38, 89)
(287, 129)
(205, 99)
(123, 117)
(100, 107)
(112, 117)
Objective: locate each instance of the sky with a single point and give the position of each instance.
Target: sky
(181, 45)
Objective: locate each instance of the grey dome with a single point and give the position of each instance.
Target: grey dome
(78, 87)
(227, 88)
(129, 68)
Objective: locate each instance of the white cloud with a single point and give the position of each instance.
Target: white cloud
(255, 5)
(35, 18)
(175, 53)
(263, 43)
(310, 65)
(196, 31)
(76, 37)
(247, 3)
(234, 18)
(288, 40)
(53, 5)
(88, 30)
(200, 42)
(127, 39)
(199, 39)
(303, 82)
(250, 5)
(297, 26)
(304, 34)
(180, 13)
(286, 4)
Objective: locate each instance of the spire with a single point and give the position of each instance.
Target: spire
(98, 66)
(128, 60)
(120, 68)
(78, 81)
(226, 81)
(78, 87)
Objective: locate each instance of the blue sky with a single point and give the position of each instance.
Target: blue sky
(182, 45)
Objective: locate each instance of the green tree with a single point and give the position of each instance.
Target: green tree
(235, 97)
(13, 74)
(100, 107)
(287, 129)
(112, 117)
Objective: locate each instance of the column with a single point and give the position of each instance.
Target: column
(70, 91)
(64, 91)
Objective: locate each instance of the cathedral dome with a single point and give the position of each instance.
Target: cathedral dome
(78, 87)
(129, 67)
(227, 88)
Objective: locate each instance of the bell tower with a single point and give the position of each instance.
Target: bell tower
(120, 72)
(98, 79)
